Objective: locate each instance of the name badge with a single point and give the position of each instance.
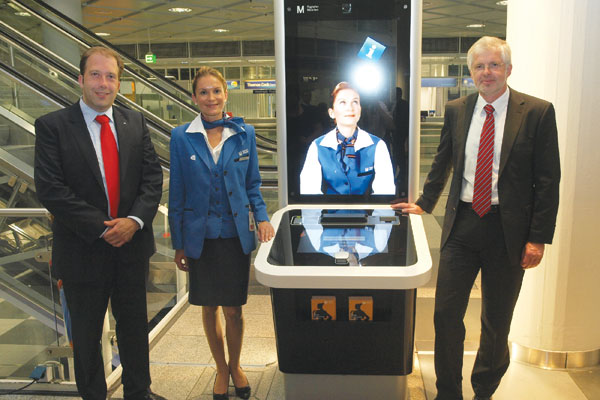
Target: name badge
(251, 222)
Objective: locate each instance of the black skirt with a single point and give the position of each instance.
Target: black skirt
(220, 276)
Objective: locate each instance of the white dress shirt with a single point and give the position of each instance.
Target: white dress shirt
(472, 146)
(89, 115)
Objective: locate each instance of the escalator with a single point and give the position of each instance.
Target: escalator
(34, 80)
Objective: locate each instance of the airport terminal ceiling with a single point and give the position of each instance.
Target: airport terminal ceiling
(141, 21)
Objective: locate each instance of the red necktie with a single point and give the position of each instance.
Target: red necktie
(482, 189)
(110, 157)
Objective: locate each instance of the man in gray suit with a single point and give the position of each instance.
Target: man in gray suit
(501, 148)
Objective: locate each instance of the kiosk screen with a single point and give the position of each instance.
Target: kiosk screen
(347, 75)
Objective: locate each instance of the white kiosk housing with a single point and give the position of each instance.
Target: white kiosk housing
(344, 267)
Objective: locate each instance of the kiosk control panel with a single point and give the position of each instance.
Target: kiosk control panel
(342, 237)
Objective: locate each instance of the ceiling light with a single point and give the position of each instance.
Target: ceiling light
(502, 3)
(180, 10)
(220, 30)
(23, 14)
(476, 26)
(102, 33)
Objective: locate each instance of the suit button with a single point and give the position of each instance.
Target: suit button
(209, 213)
(217, 175)
(346, 183)
(224, 172)
(235, 214)
(231, 193)
(216, 189)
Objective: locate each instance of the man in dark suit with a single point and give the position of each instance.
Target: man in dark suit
(101, 180)
(503, 150)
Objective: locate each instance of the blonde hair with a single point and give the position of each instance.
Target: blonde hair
(204, 71)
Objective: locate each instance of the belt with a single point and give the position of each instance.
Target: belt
(493, 210)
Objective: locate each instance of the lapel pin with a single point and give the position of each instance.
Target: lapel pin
(193, 157)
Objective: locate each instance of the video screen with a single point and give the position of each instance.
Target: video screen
(347, 90)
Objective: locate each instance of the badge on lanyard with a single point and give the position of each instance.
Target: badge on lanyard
(251, 223)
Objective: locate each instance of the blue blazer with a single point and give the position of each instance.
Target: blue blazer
(190, 186)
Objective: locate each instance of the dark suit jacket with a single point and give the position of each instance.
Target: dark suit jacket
(529, 172)
(69, 184)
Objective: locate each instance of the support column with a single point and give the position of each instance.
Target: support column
(55, 41)
(556, 56)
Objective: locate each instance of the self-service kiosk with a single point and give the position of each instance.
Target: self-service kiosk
(343, 267)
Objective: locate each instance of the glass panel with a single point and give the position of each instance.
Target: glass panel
(232, 73)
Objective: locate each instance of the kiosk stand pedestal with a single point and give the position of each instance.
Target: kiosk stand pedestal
(344, 315)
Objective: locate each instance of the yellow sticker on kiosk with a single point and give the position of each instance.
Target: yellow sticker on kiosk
(360, 308)
(322, 308)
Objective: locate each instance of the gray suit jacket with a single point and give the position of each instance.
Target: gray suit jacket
(69, 184)
(529, 172)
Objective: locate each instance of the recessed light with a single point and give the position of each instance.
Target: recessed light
(180, 10)
(102, 33)
(476, 26)
(502, 3)
(220, 30)
(23, 14)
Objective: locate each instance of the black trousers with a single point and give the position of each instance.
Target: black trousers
(125, 285)
(474, 244)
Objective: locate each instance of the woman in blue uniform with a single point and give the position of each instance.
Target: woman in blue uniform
(215, 206)
(347, 160)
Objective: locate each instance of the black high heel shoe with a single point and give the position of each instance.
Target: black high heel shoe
(242, 392)
(220, 396)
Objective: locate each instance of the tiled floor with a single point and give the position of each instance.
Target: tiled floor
(182, 367)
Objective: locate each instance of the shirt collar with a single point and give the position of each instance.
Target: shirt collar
(362, 140)
(499, 104)
(89, 114)
(196, 126)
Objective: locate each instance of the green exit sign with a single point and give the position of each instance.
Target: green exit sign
(150, 58)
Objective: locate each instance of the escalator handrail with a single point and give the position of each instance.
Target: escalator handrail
(126, 57)
(62, 102)
(105, 43)
(69, 70)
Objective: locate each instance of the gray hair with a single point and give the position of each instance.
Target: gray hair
(489, 43)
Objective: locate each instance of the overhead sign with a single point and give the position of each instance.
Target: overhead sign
(260, 84)
(233, 85)
(150, 58)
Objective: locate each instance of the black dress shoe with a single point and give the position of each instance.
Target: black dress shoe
(154, 396)
(482, 398)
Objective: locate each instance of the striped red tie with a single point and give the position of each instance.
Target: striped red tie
(110, 157)
(482, 189)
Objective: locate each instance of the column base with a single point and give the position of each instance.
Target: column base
(555, 360)
(347, 387)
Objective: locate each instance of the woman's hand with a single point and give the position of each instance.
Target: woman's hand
(181, 260)
(265, 231)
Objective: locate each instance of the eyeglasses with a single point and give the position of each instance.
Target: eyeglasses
(492, 67)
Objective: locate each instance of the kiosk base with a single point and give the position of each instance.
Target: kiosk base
(379, 345)
(347, 387)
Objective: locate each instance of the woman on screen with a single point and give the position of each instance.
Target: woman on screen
(347, 160)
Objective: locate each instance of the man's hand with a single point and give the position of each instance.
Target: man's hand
(265, 231)
(181, 260)
(532, 255)
(408, 208)
(120, 231)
